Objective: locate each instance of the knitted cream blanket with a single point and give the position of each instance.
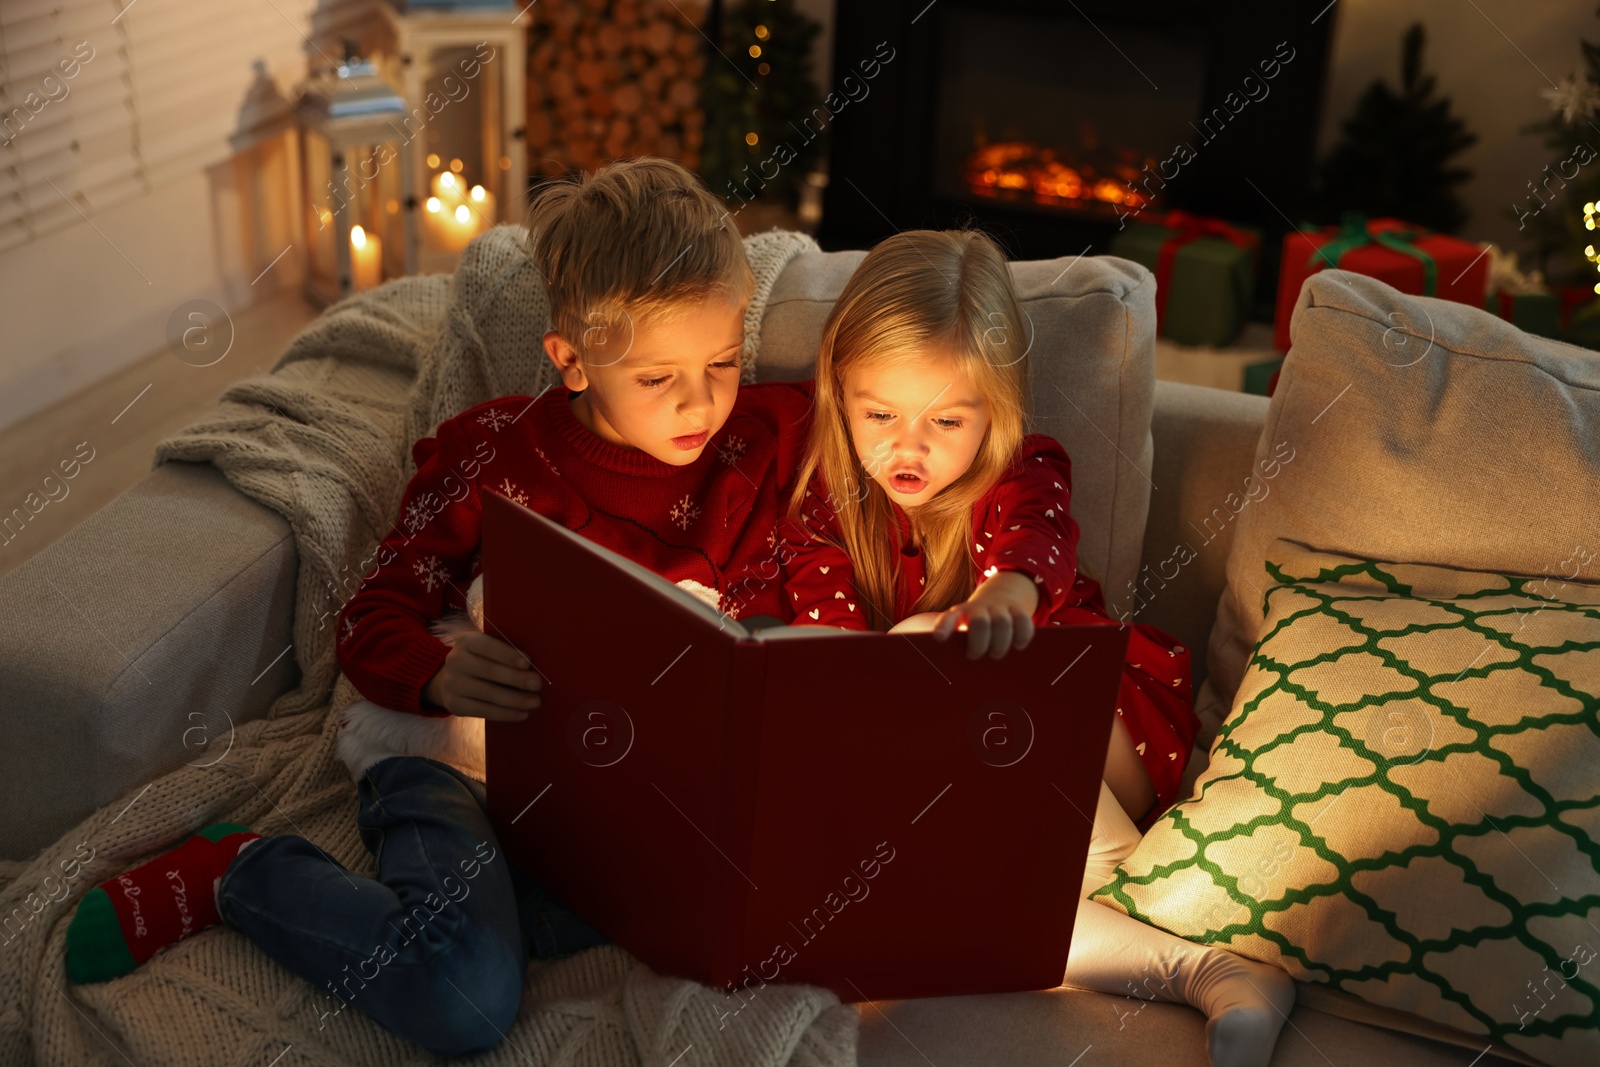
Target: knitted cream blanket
(324, 440)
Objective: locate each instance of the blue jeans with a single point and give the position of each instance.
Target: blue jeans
(435, 948)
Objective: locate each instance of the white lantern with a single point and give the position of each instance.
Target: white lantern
(355, 171)
(462, 70)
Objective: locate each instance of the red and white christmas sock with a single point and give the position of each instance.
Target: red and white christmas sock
(125, 920)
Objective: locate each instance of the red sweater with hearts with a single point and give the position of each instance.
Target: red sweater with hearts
(712, 521)
(1022, 523)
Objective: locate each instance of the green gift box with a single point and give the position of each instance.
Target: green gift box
(1258, 376)
(1535, 313)
(1205, 274)
(1583, 328)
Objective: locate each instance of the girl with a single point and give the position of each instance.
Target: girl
(923, 503)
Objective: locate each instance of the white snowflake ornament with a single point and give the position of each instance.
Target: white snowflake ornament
(1576, 97)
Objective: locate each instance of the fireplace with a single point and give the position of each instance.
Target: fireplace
(1052, 125)
(1018, 125)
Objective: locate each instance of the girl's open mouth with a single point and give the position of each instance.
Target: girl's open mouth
(908, 483)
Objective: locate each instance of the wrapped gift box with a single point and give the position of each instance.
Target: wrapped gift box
(1409, 258)
(1583, 325)
(1580, 316)
(1521, 297)
(1535, 313)
(1262, 378)
(1205, 272)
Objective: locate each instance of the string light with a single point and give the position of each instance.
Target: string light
(751, 138)
(755, 51)
(763, 33)
(1588, 250)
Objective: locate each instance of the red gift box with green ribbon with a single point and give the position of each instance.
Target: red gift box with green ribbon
(1205, 271)
(1409, 258)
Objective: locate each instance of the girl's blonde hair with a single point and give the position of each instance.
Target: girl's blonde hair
(915, 291)
(635, 243)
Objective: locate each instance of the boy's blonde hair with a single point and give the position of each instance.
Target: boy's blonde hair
(914, 290)
(634, 243)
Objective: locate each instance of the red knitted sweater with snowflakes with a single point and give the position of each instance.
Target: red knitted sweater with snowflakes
(712, 521)
(1023, 523)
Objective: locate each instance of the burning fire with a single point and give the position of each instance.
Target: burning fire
(1022, 169)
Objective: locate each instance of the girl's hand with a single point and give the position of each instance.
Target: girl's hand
(485, 678)
(997, 617)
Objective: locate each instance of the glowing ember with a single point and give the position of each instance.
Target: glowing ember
(1026, 171)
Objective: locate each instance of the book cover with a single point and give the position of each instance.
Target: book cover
(875, 813)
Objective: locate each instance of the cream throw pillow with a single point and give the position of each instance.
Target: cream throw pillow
(1405, 801)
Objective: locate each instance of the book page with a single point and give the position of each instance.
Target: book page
(776, 633)
(646, 576)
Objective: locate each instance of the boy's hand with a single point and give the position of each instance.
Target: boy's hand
(485, 678)
(997, 617)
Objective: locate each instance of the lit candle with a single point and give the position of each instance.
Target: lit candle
(463, 227)
(455, 214)
(448, 188)
(366, 259)
(482, 203)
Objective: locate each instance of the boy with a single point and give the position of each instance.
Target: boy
(648, 447)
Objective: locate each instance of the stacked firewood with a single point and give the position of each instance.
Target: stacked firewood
(610, 79)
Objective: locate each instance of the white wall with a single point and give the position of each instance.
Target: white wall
(1491, 57)
(81, 302)
(76, 310)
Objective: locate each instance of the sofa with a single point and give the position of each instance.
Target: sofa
(182, 571)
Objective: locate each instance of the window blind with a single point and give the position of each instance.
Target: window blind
(151, 91)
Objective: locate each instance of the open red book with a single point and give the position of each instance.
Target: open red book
(870, 812)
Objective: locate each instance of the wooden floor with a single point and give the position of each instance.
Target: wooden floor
(123, 417)
(118, 421)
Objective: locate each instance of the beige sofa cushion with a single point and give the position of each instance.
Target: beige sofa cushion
(1092, 371)
(1422, 430)
(1404, 804)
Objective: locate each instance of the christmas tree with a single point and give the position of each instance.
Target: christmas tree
(758, 95)
(1551, 212)
(1394, 159)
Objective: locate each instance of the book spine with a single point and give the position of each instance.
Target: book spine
(736, 832)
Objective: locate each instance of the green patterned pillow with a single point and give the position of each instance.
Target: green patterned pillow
(1405, 802)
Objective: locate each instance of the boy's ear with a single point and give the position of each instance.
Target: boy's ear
(567, 360)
